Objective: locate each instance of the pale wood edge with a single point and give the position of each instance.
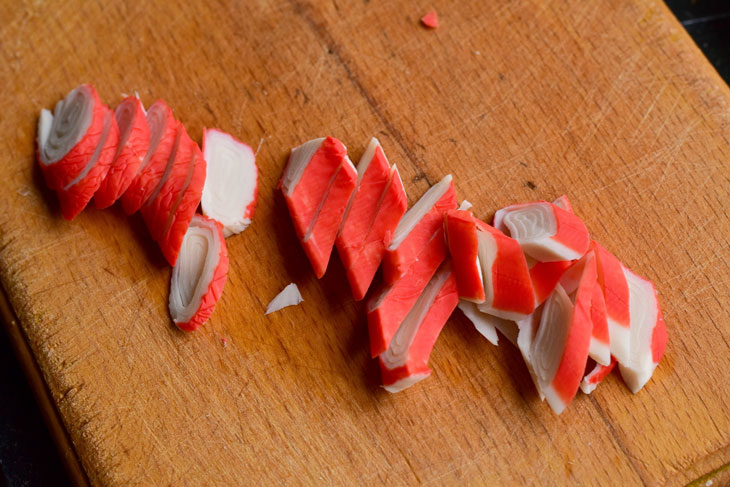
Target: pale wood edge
(42, 394)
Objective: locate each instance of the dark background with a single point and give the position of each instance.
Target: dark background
(27, 454)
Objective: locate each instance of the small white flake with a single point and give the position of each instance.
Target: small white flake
(290, 296)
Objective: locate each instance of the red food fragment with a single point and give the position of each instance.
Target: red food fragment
(596, 376)
(461, 235)
(430, 20)
(545, 276)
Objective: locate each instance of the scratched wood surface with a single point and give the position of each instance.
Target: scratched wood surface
(609, 102)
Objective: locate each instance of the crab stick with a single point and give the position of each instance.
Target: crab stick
(405, 362)
(596, 376)
(615, 289)
(461, 235)
(564, 203)
(377, 205)
(416, 228)
(134, 140)
(199, 275)
(76, 145)
(545, 276)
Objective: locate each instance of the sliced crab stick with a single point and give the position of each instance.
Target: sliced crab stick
(231, 183)
(388, 308)
(134, 140)
(546, 232)
(376, 207)
(612, 280)
(545, 276)
(461, 235)
(596, 376)
(648, 333)
(600, 349)
(507, 283)
(317, 184)
(76, 145)
(163, 132)
(564, 203)
(405, 362)
(199, 275)
(417, 227)
(484, 323)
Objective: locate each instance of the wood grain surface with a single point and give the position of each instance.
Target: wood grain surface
(607, 101)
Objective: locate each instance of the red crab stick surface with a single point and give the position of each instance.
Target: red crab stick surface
(163, 131)
(317, 184)
(545, 276)
(406, 360)
(612, 280)
(648, 333)
(596, 376)
(76, 145)
(231, 183)
(417, 227)
(134, 140)
(199, 275)
(376, 207)
(461, 235)
(545, 231)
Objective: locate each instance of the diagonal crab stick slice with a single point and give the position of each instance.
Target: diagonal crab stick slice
(317, 184)
(405, 362)
(487, 325)
(596, 376)
(461, 235)
(417, 227)
(507, 285)
(388, 307)
(546, 232)
(612, 280)
(374, 211)
(648, 333)
(545, 276)
(600, 339)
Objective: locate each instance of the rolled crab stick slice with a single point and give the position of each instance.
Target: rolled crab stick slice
(317, 184)
(648, 333)
(231, 184)
(387, 308)
(163, 131)
(134, 140)
(76, 145)
(612, 281)
(546, 232)
(417, 227)
(405, 362)
(377, 205)
(199, 275)
(461, 236)
(596, 376)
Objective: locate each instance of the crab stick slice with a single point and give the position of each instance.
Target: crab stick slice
(545, 276)
(376, 207)
(76, 145)
(564, 203)
(546, 232)
(199, 275)
(485, 324)
(461, 235)
(405, 362)
(134, 140)
(612, 280)
(600, 349)
(648, 333)
(507, 284)
(163, 132)
(417, 227)
(388, 308)
(231, 183)
(596, 376)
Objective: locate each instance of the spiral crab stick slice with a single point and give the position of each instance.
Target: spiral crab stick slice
(199, 275)
(377, 205)
(546, 232)
(596, 376)
(388, 308)
(231, 183)
(615, 289)
(648, 333)
(76, 144)
(405, 362)
(461, 235)
(163, 132)
(417, 227)
(317, 184)
(134, 140)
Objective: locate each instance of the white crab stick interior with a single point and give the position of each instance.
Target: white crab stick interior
(397, 353)
(230, 181)
(124, 114)
(417, 211)
(157, 121)
(547, 349)
(367, 157)
(60, 132)
(533, 226)
(194, 269)
(298, 161)
(405, 383)
(289, 296)
(465, 205)
(97, 152)
(484, 323)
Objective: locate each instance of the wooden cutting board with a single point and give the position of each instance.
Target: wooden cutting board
(607, 101)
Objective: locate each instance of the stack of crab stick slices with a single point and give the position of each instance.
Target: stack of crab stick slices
(146, 160)
(571, 308)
